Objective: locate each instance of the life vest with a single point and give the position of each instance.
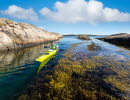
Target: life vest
(53, 47)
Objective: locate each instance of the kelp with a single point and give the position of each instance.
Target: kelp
(97, 78)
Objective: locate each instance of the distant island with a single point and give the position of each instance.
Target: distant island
(83, 35)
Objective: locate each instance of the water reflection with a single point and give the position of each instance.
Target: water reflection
(17, 69)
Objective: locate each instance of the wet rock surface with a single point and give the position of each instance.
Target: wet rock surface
(93, 47)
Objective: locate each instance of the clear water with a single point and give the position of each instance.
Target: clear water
(18, 68)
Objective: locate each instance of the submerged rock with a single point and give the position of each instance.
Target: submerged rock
(83, 38)
(93, 47)
(16, 35)
(119, 39)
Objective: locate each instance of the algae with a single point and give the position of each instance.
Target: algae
(97, 78)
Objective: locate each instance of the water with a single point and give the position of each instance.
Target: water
(18, 68)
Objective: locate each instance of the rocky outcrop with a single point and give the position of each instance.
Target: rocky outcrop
(83, 38)
(93, 47)
(16, 35)
(119, 39)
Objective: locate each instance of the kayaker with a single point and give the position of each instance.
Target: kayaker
(53, 46)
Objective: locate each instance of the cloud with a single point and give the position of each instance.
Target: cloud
(20, 13)
(92, 12)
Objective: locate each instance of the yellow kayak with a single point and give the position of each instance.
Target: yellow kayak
(49, 54)
(45, 58)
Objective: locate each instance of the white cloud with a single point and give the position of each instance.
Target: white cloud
(20, 13)
(82, 11)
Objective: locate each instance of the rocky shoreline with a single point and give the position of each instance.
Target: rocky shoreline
(15, 35)
(119, 39)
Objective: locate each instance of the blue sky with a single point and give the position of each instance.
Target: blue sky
(71, 16)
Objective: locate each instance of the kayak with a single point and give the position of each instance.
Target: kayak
(48, 54)
(45, 58)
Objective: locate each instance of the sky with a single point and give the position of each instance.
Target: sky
(97, 17)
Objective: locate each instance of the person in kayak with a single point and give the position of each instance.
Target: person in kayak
(53, 46)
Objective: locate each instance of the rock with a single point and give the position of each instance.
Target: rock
(16, 35)
(119, 39)
(93, 47)
(83, 38)
(118, 34)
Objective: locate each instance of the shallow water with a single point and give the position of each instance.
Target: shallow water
(19, 68)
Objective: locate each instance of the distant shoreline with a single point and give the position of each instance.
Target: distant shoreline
(83, 35)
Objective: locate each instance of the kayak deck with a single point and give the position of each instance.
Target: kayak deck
(49, 54)
(45, 58)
